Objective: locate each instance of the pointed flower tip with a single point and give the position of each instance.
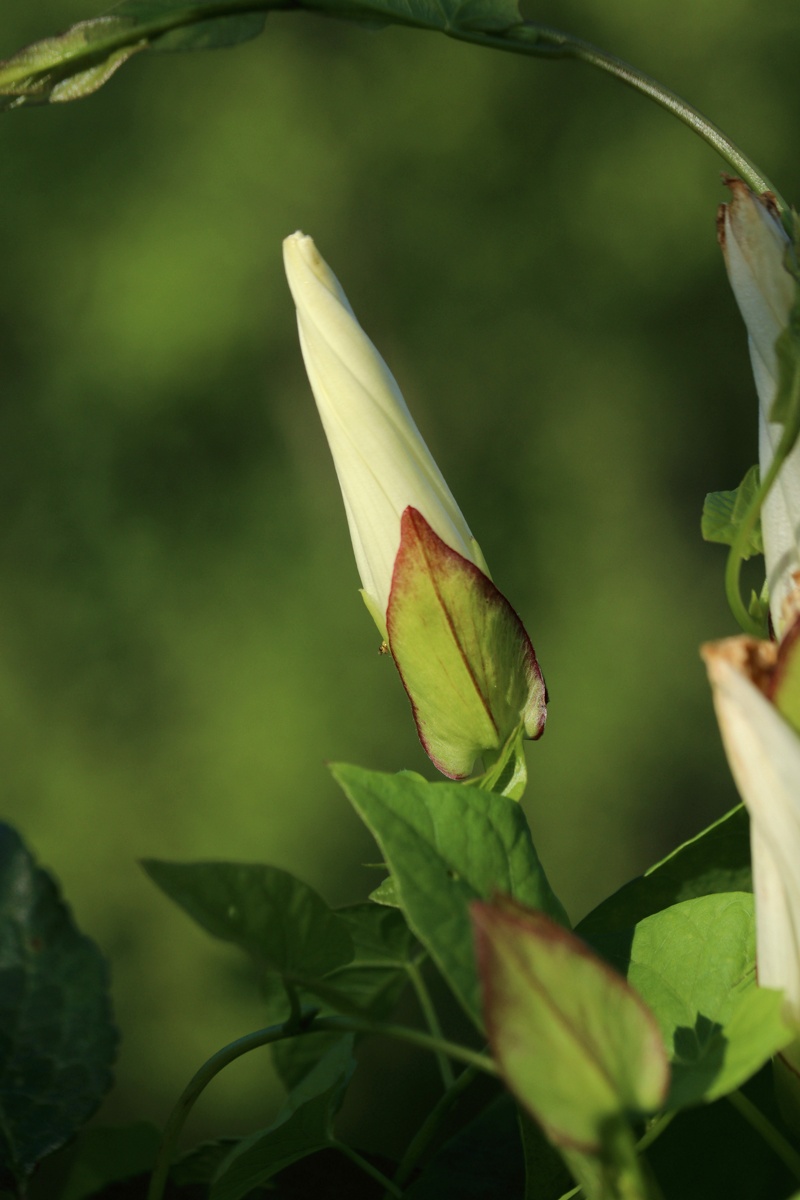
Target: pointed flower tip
(381, 460)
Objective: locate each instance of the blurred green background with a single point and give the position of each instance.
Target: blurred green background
(182, 646)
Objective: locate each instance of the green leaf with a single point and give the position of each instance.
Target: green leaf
(370, 984)
(463, 655)
(493, 16)
(573, 1041)
(694, 965)
(446, 845)
(304, 1125)
(105, 1155)
(214, 34)
(57, 1040)
(78, 62)
(716, 860)
(282, 923)
(723, 513)
(70, 66)
(372, 981)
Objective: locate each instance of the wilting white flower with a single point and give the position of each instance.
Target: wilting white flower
(382, 463)
(763, 751)
(755, 247)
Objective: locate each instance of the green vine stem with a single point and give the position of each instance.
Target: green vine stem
(552, 43)
(431, 1019)
(413, 1037)
(390, 1188)
(20, 79)
(763, 1126)
(429, 1127)
(192, 1092)
(276, 1033)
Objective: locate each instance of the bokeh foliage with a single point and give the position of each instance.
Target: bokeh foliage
(181, 642)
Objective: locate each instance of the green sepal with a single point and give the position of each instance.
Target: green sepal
(574, 1042)
(723, 513)
(465, 660)
(508, 774)
(758, 608)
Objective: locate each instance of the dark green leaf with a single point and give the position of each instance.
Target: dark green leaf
(295, 1058)
(201, 1164)
(370, 984)
(717, 860)
(283, 924)
(446, 845)
(57, 1040)
(213, 35)
(78, 62)
(714, 1153)
(482, 1161)
(372, 981)
(546, 1176)
(104, 1155)
(723, 513)
(444, 15)
(303, 1126)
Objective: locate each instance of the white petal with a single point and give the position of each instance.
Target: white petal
(754, 244)
(764, 756)
(381, 460)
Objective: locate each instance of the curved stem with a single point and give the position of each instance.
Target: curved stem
(193, 1090)
(390, 1188)
(655, 1130)
(545, 42)
(414, 1037)
(762, 1125)
(275, 1033)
